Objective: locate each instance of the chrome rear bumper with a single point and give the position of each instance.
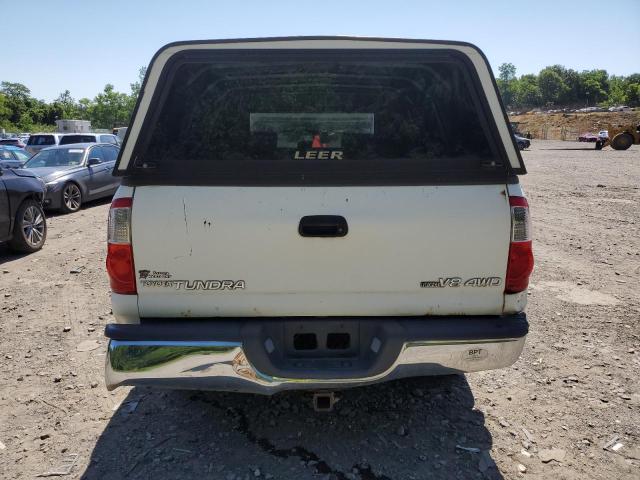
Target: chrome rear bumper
(223, 365)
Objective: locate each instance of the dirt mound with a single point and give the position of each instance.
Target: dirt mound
(567, 126)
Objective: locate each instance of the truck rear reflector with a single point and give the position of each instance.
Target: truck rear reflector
(120, 266)
(520, 262)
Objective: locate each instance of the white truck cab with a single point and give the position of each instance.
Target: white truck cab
(316, 213)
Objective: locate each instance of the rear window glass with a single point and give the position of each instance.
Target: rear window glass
(341, 117)
(41, 140)
(67, 139)
(108, 139)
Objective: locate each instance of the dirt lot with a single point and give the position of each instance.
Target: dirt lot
(574, 389)
(568, 126)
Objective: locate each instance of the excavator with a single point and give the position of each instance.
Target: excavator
(620, 137)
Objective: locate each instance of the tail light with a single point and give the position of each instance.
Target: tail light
(520, 263)
(119, 251)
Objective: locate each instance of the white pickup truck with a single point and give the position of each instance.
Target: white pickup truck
(316, 213)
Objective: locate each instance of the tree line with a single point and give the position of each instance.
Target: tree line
(554, 86)
(558, 86)
(21, 112)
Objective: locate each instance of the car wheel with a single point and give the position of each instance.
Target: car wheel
(622, 141)
(71, 198)
(30, 229)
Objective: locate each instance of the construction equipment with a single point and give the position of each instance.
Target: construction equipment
(620, 137)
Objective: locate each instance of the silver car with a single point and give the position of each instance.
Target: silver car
(75, 173)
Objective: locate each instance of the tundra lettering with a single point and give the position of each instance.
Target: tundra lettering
(197, 284)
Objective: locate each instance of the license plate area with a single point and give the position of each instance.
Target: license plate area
(325, 347)
(321, 339)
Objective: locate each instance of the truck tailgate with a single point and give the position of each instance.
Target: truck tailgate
(409, 250)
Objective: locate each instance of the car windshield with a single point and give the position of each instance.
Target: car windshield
(58, 157)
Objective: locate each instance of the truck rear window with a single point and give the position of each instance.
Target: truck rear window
(41, 140)
(319, 117)
(68, 139)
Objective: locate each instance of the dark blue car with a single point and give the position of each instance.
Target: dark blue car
(22, 221)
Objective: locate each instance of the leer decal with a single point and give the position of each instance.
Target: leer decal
(318, 155)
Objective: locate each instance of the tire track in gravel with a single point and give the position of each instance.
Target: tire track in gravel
(320, 466)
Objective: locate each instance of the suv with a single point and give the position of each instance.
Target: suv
(38, 141)
(302, 213)
(69, 138)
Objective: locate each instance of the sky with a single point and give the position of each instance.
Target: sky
(52, 46)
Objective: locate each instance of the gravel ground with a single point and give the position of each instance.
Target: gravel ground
(574, 389)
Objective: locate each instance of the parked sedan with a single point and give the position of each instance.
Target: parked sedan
(75, 173)
(12, 157)
(22, 221)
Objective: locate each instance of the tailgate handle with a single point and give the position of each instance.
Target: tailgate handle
(323, 226)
